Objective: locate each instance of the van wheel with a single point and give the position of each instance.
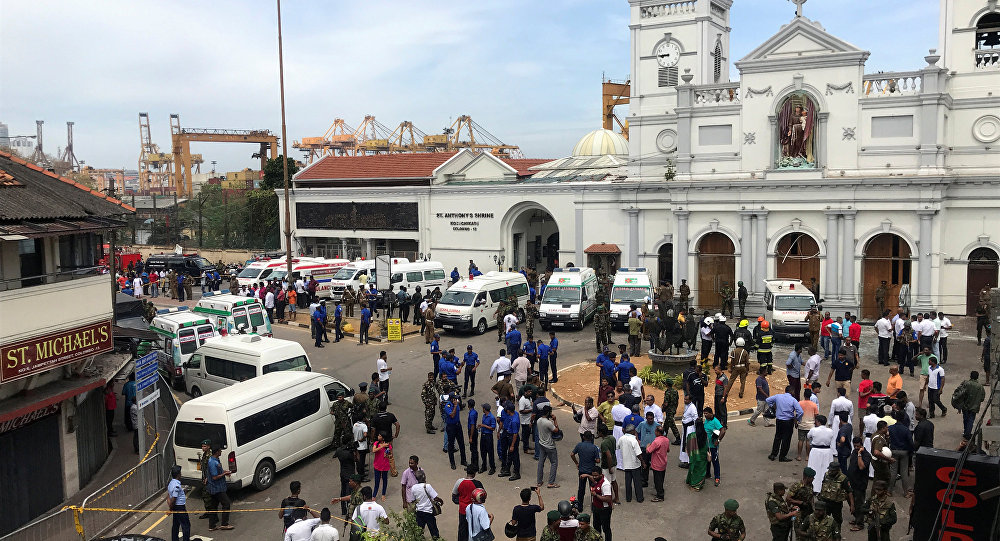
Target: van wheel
(195, 392)
(263, 476)
(481, 327)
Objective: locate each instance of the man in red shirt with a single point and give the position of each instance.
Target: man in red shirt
(865, 390)
(854, 333)
(824, 335)
(658, 450)
(462, 492)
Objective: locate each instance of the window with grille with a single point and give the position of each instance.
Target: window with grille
(718, 61)
(668, 76)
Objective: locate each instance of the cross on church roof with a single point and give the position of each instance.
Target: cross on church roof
(798, 7)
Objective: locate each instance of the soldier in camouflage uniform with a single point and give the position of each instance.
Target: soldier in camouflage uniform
(501, 312)
(341, 411)
(603, 288)
(349, 300)
(684, 293)
(818, 526)
(149, 310)
(602, 327)
(779, 513)
(530, 315)
(360, 404)
(801, 494)
(429, 396)
(880, 513)
(171, 284)
(188, 284)
(814, 320)
(669, 407)
(728, 526)
(726, 292)
(835, 490)
(585, 532)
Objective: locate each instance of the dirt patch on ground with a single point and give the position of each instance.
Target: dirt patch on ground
(580, 381)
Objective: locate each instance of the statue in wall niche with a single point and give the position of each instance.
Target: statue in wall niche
(796, 141)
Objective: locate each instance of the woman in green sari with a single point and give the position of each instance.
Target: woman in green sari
(697, 449)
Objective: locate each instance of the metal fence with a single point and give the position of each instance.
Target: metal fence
(58, 526)
(130, 491)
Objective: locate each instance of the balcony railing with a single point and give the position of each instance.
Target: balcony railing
(987, 59)
(7, 284)
(667, 9)
(899, 83)
(722, 94)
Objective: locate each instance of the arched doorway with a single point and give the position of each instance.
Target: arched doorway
(665, 264)
(716, 268)
(534, 239)
(886, 257)
(797, 258)
(983, 266)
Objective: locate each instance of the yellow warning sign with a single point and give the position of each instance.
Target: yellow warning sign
(395, 330)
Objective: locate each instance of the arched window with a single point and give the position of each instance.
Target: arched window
(718, 61)
(988, 41)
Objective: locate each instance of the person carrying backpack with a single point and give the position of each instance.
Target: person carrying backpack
(968, 398)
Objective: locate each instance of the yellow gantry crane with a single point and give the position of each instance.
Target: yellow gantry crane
(183, 160)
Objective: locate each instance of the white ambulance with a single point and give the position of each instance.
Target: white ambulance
(472, 304)
(276, 269)
(353, 274)
(632, 285)
(181, 333)
(570, 298)
(231, 312)
(786, 305)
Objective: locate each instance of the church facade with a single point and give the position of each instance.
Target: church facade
(807, 167)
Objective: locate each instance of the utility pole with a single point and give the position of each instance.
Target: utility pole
(225, 219)
(284, 153)
(201, 205)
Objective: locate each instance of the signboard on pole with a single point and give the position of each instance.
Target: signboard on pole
(383, 270)
(394, 329)
(146, 371)
(959, 507)
(148, 399)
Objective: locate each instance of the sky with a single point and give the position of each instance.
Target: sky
(528, 71)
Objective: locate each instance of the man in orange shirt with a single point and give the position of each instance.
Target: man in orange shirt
(809, 412)
(895, 382)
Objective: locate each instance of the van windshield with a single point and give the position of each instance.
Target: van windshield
(249, 272)
(189, 434)
(798, 303)
(344, 274)
(628, 294)
(458, 298)
(202, 262)
(561, 295)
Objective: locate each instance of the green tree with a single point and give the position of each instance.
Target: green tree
(274, 173)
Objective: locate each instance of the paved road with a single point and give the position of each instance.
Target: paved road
(747, 474)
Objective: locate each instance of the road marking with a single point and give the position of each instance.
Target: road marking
(155, 524)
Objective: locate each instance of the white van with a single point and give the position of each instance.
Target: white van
(181, 333)
(631, 286)
(426, 274)
(786, 305)
(472, 304)
(228, 312)
(264, 425)
(318, 268)
(231, 359)
(570, 298)
(350, 274)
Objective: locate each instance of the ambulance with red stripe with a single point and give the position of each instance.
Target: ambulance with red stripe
(276, 269)
(472, 304)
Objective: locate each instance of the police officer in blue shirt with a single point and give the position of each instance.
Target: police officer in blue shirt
(487, 427)
(624, 365)
(318, 319)
(513, 339)
(338, 315)
(177, 501)
(607, 367)
(453, 427)
(529, 352)
(366, 322)
(542, 351)
(508, 442)
(436, 353)
(553, 353)
(469, 362)
(633, 418)
(447, 367)
(455, 276)
(472, 425)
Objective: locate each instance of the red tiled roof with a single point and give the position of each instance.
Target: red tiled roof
(603, 248)
(379, 166)
(56, 200)
(523, 164)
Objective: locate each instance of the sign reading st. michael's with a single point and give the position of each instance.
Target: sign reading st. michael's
(34, 355)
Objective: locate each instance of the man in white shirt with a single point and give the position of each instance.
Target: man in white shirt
(943, 337)
(927, 332)
(360, 432)
(524, 408)
(935, 386)
(884, 329)
(652, 407)
(631, 462)
(520, 368)
(324, 531)
(501, 367)
(509, 322)
(811, 371)
(687, 422)
(618, 414)
(301, 529)
(635, 385)
(382, 366)
(137, 287)
(937, 331)
(370, 513)
(841, 403)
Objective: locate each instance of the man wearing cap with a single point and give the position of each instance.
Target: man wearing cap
(814, 319)
(764, 340)
(551, 530)
(584, 532)
(341, 411)
(779, 513)
(176, 501)
(350, 494)
(428, 395)
(819, 526)
(835, 490)
(508, 442)
(741, 295)
(801, 494)
(469, 363)
(727, 525)
(453, 426)
(723, 336)
(740, 365)
(206, 453)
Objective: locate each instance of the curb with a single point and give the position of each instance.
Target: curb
(552, 391)
(351, 334)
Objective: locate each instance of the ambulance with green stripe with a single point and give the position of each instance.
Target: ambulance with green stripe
(230, 312)
(181, 332)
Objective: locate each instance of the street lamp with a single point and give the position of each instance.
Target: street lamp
(499, 259)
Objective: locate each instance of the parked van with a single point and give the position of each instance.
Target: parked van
(228, 312)
(181, 333)
(632, 285)
(570, 298)
(265, 425)
(472, 304)
(231, 359)
(786, 305)
(350, 274)
(276, 269)
(426, 274)
(187, 264)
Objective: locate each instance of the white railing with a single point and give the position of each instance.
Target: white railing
(898, 83)
(667, 9)
(987, 59)
(722, 94)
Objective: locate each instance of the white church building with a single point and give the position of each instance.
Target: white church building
(807, 167)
